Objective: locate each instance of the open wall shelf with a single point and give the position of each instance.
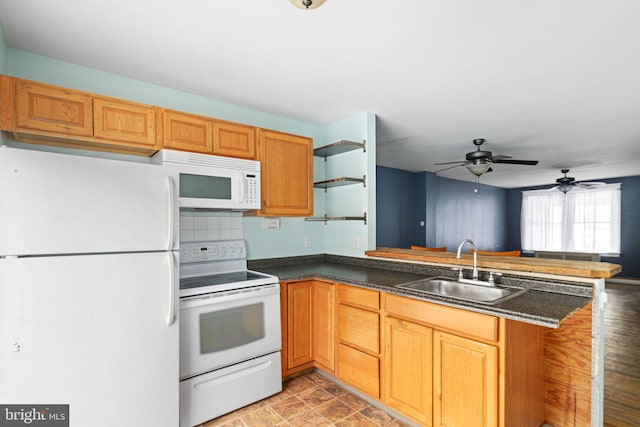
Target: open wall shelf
(339, 182)
(338, 148)
(339, 218)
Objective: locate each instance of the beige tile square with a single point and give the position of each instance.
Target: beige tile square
(309, 419)
(377, 415)
(289, 407)
(334, 410)
(315, 397)
(298, 384)
(356, 420)
(263, 417)
(354, 401)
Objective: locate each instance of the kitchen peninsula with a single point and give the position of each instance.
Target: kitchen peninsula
(526, 360)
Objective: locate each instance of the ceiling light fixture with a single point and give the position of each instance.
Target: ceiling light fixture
(307, 4)
(478, 168)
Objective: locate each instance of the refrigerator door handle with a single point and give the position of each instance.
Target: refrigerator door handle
(171, 318)
(172, 215)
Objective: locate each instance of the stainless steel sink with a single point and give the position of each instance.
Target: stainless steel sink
(452, 288)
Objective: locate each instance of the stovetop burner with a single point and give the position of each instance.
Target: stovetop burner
(217, 266)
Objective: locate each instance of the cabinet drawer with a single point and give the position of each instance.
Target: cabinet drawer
(359, 369)
(359, 327)
(463, 322)
(359, 297)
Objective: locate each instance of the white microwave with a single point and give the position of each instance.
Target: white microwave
(209, 182)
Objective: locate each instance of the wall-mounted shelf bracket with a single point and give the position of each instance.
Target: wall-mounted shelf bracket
(326, 218)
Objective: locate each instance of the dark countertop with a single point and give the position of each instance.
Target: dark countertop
(545, 303)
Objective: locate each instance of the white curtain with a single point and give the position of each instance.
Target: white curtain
(582, 220)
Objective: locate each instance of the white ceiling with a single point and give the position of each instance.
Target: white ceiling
(552, 80)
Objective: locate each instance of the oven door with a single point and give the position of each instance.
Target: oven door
(224, 328)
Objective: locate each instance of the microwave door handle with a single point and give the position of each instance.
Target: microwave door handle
(242, 185)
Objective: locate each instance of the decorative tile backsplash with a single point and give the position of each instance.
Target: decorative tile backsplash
(196, 226)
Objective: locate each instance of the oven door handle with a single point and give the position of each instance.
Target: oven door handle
(222, 297)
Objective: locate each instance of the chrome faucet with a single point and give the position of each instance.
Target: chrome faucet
(475, 256)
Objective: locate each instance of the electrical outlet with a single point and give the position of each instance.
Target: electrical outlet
(356, 242)
(307, 242)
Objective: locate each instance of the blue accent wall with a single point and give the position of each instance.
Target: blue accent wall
(630, 223)
(396, 208)
(462, 214)
(450, 209)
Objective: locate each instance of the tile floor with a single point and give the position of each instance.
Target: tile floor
(308, 400)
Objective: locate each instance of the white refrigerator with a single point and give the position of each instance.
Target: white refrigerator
(88, 288)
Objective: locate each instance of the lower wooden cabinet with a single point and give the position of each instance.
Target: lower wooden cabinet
(465, 379)
(407, 371)
(450, 367)
(299, 324)
(309, 335)
(359, 338)
(324, 342)
(437, 365)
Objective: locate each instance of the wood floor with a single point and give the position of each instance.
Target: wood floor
(622, 356)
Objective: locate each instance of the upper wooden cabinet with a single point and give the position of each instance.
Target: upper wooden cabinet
(287, 174)
(46, 114)
(187, 132)
(52, 109)
(234, 140)
(124, 121)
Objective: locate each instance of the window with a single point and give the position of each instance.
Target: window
(581, 220)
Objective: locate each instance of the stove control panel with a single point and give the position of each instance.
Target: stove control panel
(212, 251)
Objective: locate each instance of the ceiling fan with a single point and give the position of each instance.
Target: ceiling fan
(480, 161)
(566, 183)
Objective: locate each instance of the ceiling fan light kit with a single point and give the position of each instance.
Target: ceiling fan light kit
(480, 161)
(566, 183)
(307, 4)
(478, 168)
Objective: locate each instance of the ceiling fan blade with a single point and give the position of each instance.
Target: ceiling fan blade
(589, 184)
(450, 167)
(461, 162)
(517, 162)
(500, 157)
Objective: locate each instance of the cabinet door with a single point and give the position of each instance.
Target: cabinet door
(123, 121)
(234, 140)
(299, 324)
(187, 132)
(465, 376)
(408, 369)
(49, 108)
(287, 174)
(324, 339)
